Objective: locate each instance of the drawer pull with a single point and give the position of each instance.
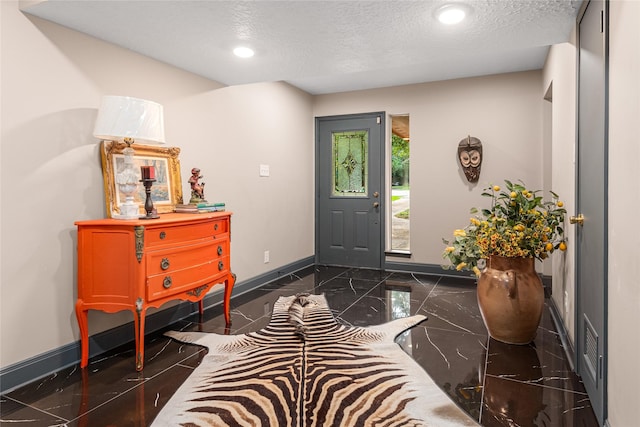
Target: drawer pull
(215, 227)
(220, 265)
(164, 264)
(162, 235)
(167, 282)
(219, 250)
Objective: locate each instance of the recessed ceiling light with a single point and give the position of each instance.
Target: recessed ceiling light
(451, 14)
(243, 52)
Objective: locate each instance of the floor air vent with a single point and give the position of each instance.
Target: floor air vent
(590, 353)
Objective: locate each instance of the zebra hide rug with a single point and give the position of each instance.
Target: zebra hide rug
(305, 369)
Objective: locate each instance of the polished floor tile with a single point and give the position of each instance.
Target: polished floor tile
(496, 383)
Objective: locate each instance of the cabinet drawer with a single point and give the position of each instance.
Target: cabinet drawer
(175, 234)
(170, 283)
(179, 258)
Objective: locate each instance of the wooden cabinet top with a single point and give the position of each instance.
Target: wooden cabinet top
(165, 219)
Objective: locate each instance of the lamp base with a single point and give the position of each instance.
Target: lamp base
(149, 216)
(128, 211)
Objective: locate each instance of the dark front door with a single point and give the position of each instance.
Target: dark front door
(591, 234)
(349, 190)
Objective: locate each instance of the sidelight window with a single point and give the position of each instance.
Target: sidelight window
(400, 188)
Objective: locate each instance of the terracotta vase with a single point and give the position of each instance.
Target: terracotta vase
(511, 299)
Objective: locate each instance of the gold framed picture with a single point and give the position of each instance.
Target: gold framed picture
(166, 191)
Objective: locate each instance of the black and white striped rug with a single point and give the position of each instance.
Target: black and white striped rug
(305, 369)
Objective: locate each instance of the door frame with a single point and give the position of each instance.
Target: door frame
(383, 205)
(578, 314)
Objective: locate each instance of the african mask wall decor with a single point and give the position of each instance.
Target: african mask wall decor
(470, 157)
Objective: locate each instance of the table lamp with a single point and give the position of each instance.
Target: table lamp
(127, 119)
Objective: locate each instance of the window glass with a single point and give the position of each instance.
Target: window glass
(350, 164)
(400, 188)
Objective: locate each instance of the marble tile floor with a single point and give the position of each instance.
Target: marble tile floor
(497, 384)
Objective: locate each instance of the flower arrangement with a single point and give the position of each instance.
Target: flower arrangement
(518, 224)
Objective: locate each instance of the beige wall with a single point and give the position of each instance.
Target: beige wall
(624, 199)
(560, 71)
(52, 80)
(241, 128)
(624, 205)
(503, 111)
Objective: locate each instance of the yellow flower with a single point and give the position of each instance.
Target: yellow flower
(508, 228)
(476, 270)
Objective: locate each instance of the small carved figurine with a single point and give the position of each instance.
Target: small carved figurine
(470, 157)
(197, 188)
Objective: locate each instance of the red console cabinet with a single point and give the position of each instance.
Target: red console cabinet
(137, 264)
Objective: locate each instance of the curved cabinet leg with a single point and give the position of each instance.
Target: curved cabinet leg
(81, 315)
(138, 324)
(228, 288)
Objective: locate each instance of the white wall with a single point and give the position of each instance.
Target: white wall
(503, 111)
(52, 80)
(560, 70)
(240, 128)
(624, 199)
(624, 205)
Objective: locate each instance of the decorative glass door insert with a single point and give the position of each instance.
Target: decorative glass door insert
(350, 164)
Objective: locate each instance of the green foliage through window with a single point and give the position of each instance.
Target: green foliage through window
(399, 161)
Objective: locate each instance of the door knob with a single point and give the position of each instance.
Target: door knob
(578, 219)
(376, 204)
(376, 194)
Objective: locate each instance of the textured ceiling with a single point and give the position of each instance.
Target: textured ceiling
(325, 46)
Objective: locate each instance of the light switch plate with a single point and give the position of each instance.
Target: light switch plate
(264, 170)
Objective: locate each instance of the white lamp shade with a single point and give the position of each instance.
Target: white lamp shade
(120, 117)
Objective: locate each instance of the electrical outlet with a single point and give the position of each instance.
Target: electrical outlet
(264, 170)
(266, 257)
